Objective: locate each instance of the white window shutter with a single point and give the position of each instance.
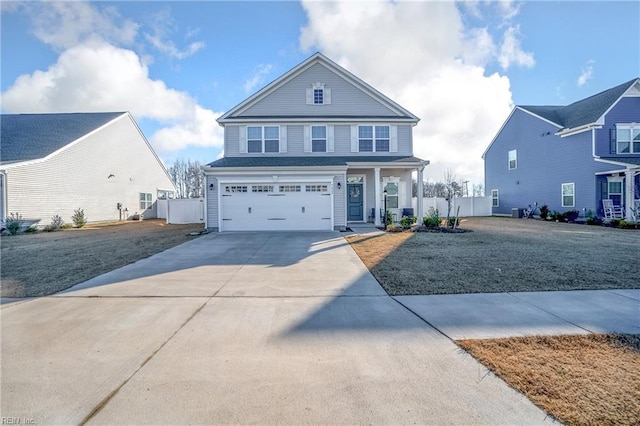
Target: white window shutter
(283, 138)
(330, 147)
(393, 138)
(354, 138)
(310, 96)
(327, 96)
(243, 140)
(307, 138)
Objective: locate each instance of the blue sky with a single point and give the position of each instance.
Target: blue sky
(177, 66)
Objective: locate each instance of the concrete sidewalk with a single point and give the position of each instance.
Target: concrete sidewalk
(285, 328)
(498, 315)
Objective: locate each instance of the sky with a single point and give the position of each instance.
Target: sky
(460, 67)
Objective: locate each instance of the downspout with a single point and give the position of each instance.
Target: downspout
(3, 212)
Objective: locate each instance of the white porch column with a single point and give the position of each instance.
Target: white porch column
(629, 193)
(377, 195)
(419, 198)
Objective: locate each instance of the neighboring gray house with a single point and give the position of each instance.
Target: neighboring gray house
(569, 157)
(316, 149)
(53, 164)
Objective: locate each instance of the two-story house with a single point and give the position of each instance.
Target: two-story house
(316, 149)
(569, 157)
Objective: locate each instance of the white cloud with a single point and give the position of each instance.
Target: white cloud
(260, 72)
(96, 76)
(162, 25)
(587, 73)
(420, 55)
(511, 52)
(66, 24)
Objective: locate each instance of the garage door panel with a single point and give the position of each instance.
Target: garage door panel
(251, 211)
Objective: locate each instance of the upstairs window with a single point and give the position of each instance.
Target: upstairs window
(318, 138)
(513, 159)
(373, 138)
(263, 139)
(628, 138)
(318, 94)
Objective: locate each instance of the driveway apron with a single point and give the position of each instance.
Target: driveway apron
(287, 328)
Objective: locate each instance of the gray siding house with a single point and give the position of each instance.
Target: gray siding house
(571, 157)
(53, 164)
(316, 149)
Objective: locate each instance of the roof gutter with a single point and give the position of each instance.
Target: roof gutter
(568, 132)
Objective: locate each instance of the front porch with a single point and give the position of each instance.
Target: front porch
(373, 188)
(622, 188)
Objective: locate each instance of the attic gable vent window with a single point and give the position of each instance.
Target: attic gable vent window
(318, 94)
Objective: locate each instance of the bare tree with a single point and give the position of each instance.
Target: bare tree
(188, 177)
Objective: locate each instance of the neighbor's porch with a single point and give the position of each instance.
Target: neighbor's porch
(623, 189)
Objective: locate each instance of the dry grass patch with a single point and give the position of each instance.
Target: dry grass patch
(373, 249)
(581, 380)
(49, 262)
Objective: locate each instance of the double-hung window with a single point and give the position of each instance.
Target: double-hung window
(318, 138)
(146, 201)
(513, 159)
(263, 139)
(614, 187)
(391, 192)
(373, 138)
(568, 195)
(628, 138)
(495, 198)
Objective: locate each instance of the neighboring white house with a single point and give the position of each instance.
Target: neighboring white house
(53, 164)
(317, 149)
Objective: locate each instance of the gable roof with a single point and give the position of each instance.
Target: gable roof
(584, 112)
(26, 137)
(317, 58)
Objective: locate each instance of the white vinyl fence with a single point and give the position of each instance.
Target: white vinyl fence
(469, 206)
(182, 210)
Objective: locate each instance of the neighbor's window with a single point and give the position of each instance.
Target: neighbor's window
(568, 194)
(615, 190)
(145, 201)
(318, 138)
(513, 159)
(373, 138)
(263, 139)
(392, 194)
(318, 96)
(628, 139)
(495, 199)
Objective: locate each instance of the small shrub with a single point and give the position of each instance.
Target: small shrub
(452, 221)
(389, 217)
(432, 220)
(544, 212)
(623, 224)
(407, 221)
(78, 218)
(31, 230)
(13, 223)
(571, 215)
(614, 223)
(594, 220)
(557, 216)
(394, 228)
(56, 224)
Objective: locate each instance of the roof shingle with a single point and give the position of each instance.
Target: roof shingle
(25, 137)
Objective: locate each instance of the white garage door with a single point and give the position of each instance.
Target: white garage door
(275, 207)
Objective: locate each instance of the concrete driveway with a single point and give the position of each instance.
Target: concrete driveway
(242, 328)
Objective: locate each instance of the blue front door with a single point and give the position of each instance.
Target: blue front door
(355, 202)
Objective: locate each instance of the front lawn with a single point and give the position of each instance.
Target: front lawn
(503, 255)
